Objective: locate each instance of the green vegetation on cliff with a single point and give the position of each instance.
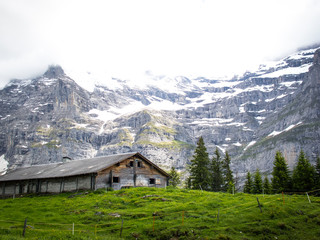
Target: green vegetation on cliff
(174, 144)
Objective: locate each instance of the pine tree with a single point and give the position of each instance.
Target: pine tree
(187, 183)
(174, 177)
(280, 174)
(257, 183)
(199, 167)
(216, 172)
(266, 186)
(248, 184)
(303, 174)
(317, 173)
(231, 188)
(227, 173)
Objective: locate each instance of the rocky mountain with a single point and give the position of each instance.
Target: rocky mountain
(273, 108)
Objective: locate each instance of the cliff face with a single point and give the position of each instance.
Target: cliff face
(275, 108)
(294, 127)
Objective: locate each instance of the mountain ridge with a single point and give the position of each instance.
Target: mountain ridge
(46, 118)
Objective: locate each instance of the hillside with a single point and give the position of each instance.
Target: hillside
(149, 213)
(275, 107)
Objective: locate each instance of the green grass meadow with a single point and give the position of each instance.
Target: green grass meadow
(150, 213)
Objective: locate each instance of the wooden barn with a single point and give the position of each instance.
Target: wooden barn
(115, 171)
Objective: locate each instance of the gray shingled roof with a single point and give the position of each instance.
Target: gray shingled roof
(72, 168)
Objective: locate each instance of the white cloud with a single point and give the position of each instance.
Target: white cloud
(124, 38)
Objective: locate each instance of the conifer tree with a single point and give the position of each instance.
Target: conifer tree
(216, 172)
(227, 173)
(266, 186)
(317, 173)
(199, 167)
(303, 174)
(231, 188)
(257, 182)
(248, 184)
(280, 174)
(174, 177)
(187, 183)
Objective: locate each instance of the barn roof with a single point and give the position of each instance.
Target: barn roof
(72, 168)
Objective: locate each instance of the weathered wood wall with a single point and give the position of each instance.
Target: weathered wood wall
(137, 174)
(132, 172)
(53, 185)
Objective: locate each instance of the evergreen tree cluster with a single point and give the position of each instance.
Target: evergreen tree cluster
(211, 175)
(305, 177)
(216, 175)
(255, 185)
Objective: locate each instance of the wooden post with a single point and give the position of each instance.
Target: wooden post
(20, 190)
(24, 227)
(259, 205)
(308, 197)
(218, 215)
(91, 182)
(182, 218)
(94, 181)
(61, 185)
(14, 191)
(77, 183)
(134, 172)
(72, 228)
(153, 222)
(121, 227)
(3, 189)
(111, 178)
(38, 186)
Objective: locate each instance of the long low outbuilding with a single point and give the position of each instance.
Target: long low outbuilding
(114, 171)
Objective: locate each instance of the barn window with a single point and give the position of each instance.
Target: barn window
(152, 181)
(139, 164)
(118, 164)
(116, 179)
(131, 163)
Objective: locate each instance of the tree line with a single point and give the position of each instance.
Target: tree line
(216, 175)
(210, 175)
(304, 177)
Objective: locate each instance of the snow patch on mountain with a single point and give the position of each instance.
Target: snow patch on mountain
(288, 71)
(114, 112)
(135, 106)
(274, 69)
(19, 83)
(237, 144)
(3, 165)
(289, 84)
(249, 145)
(275, 133)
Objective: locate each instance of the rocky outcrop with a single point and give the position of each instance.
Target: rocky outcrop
(275, 108)
(295, 127)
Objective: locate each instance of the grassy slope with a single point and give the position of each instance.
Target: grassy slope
(178, 214)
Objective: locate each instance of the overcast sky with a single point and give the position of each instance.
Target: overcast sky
(126, 38)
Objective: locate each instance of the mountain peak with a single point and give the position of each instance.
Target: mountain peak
(54, 71)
